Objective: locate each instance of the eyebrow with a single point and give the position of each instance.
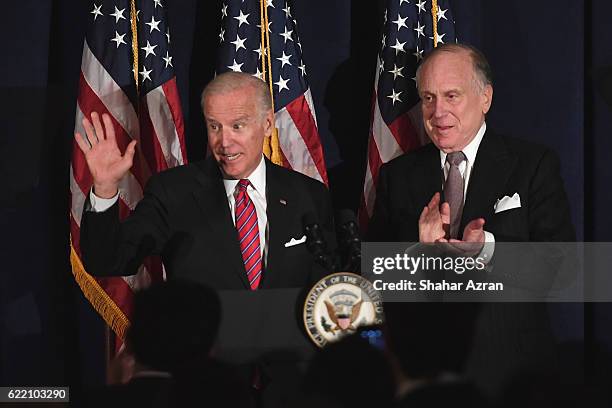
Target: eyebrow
(239, 119)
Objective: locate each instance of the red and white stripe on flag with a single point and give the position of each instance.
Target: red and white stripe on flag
(299, 138)
(385, 143)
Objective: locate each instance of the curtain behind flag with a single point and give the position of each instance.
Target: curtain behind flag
(240, 50)
(396, 125)
(148, 111)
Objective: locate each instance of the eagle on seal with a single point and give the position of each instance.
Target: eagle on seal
(342, 319)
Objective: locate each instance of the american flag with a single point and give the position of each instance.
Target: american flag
(396, 125)
(240, 50)
(149, 112)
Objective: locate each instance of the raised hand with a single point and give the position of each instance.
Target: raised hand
(106, 163)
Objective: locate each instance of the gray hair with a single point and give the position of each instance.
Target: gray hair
(234, 81)
(482, 70)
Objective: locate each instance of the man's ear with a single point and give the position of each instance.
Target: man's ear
(268, 123)
(487, 98)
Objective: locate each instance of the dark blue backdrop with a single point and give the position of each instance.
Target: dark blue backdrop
(548, 58)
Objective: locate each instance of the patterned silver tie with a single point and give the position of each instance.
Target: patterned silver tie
(453, 191)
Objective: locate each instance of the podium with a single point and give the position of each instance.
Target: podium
(263, 325)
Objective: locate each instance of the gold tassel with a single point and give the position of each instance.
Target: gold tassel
(277, 158)
(267, 147)
(271, 146)
(99, 299)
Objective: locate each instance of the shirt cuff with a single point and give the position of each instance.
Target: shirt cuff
(99, 204)
(486, 253)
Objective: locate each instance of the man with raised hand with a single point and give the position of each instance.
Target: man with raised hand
(232, 221)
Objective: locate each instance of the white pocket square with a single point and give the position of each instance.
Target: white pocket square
(507, 203)
(295, 242)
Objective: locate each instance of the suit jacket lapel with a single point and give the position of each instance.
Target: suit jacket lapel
(493, 166)
(431, 179)
(213, 202)
(278, 207)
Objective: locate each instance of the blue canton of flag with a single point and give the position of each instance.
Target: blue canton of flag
(407, 36)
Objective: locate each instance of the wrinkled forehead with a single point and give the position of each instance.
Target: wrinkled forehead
(231, 104)
(447, 69)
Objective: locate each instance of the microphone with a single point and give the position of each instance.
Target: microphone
(316, 243)
(349, 241)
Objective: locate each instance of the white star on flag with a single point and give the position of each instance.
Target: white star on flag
(419, 29)
(287, 34)
(398, 46)
(394, 96)
(235, 66)
(118, 14)
(396, 71)
(149, 49)
(168, 59)
(96, 11)
(401, 22)
(153, 24)
(119, 39)
(284, 59)
(442, 13)
(239, 42)
(282, 83)
(242, 18)
(145, 73)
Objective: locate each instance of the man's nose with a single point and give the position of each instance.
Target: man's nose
(225, 138)
(440, 108)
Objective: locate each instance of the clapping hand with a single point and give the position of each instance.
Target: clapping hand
(434, 226)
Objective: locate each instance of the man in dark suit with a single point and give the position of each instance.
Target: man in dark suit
(469, 189)
(233, 221)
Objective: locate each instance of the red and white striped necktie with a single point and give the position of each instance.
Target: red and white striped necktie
(248, 234)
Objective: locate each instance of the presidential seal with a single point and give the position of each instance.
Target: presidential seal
(338, 304)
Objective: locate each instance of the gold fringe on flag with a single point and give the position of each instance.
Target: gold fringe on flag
(271, 143)
(99, 299)
(434, 16)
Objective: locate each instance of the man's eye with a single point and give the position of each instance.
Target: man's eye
(427, 98)
(238, 126)
(213, 127)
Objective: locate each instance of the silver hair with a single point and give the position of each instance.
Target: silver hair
(482, 70)
(233, 81)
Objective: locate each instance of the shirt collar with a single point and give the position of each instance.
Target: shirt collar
(257, 179)
(471, 149)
